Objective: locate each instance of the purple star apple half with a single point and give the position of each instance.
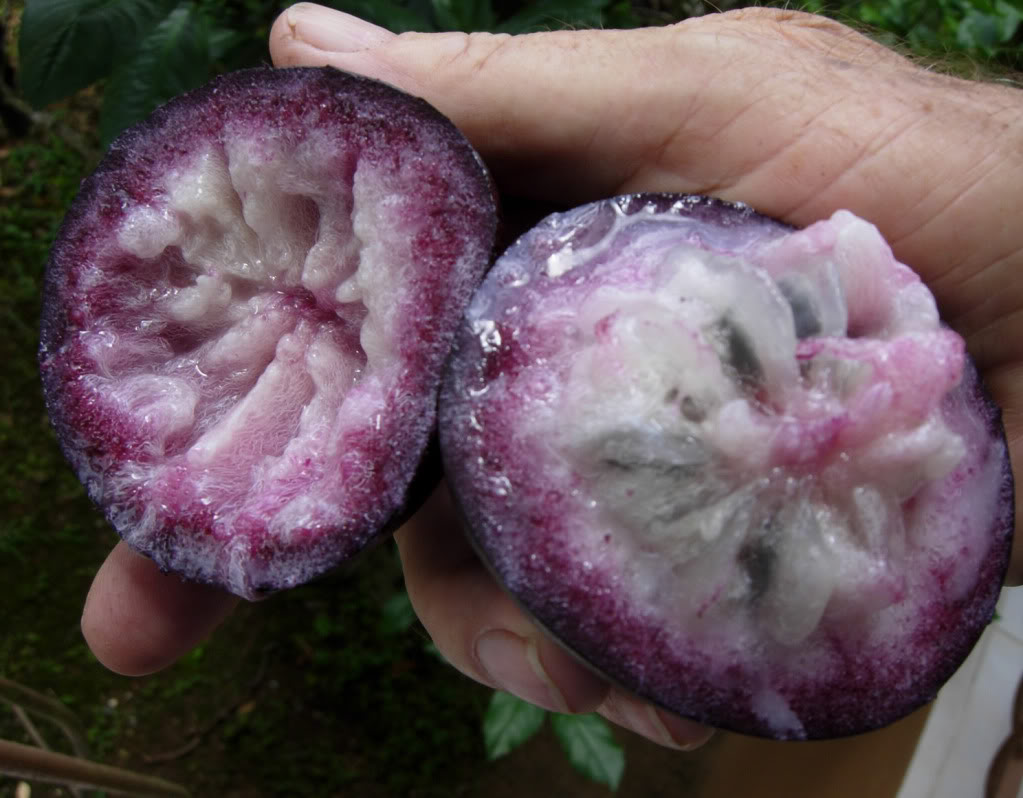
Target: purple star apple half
(246, 316)
(740, 469)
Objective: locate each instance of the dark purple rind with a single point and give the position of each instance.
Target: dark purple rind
(585, 610)
(129, 173)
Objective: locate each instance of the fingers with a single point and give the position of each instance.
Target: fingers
(730, 104)
(477, 626)
(138, 620)
(575, 115)
(480, 630)
(653, 722)
(488, 85)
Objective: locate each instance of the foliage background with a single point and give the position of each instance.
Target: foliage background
(332, 688)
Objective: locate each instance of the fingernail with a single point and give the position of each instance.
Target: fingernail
(333, 31)
(686, 735)
(513, 664)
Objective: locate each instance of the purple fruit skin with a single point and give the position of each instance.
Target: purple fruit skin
(88, 276)
(493, 478)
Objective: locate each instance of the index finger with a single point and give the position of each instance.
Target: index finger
(138, 620)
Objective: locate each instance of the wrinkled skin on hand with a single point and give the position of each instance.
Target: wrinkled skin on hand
(791, 113)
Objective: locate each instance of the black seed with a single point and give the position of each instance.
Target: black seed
(757, 560)
(739, 352)
(655, 454)
(804, 314)
(658, 467)
(692, 410)
(667, 477)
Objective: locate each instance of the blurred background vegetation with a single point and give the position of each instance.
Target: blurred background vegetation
(147, 51)
(332, 688)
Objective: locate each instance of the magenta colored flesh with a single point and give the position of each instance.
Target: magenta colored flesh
(263, 463)
(528, 504)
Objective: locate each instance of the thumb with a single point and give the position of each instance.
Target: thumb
(729, 104)
(565, 115)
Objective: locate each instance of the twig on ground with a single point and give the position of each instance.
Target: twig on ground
(37, 738)
(33, 764)
(44, 706)
(197, 735)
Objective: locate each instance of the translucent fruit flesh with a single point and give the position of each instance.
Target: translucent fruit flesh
(740, 469)
(246, 315)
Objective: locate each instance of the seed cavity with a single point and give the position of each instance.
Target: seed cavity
(739, 353)
(758, 561)
(804, 314)
(692, 410)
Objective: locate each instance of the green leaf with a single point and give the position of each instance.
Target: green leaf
(172, 59)
(397, 614)
(464, 15)
(323, 625)
(222, 41)
(978, 31)
(620, 15)
(591, 747)
(387, 14)
(509, 722)
(556, 15)
(1009, 20)
(65, 45)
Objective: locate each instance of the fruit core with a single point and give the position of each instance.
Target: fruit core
(245, 331)
(754, 425)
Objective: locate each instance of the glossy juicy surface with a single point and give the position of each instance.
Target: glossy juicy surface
(740, 469)
(246, 315)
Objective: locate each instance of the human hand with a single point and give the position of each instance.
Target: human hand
(791, 113)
